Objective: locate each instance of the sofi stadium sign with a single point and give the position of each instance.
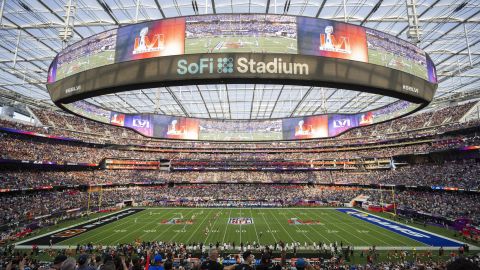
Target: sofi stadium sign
(241, 65)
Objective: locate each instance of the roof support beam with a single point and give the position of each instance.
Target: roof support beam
(177, 101)
(203, 100)
(228, 100)
(374, 9)
(107, 9)
(60, 18)
(214, 9)
(301, 100)
(160, 9)
(275, 104)
(253, 99)
(453, 28)
(320, 8)
(1, 12)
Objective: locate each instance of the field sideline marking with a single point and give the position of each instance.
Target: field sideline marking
(425, 231)
(226, 227)
(68, 227)
(258, 239)
(339, 228)
(321, 235)
(214, 223)
(199, 225)
(121, 222)
(364, 225)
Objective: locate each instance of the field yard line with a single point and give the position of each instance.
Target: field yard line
(258, 239)
(148, 223)
(269, 227)
(340, 236)
(123, 221)
(173, 237)
(206, 216)
(241, 226)
(311, 226)
(382, 233)
(226, 227)
(284, 228)
(215, 222)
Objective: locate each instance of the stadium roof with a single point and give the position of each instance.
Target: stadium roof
(30, 38)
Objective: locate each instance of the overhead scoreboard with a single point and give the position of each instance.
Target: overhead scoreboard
(242, 48)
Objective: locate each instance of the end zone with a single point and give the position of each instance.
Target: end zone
(43, 241)
(419, 235)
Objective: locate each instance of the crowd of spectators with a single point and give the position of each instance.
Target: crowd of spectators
(153, 255)
(452, 174)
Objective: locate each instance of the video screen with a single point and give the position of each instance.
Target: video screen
(250, 33)
(384, 50)
(432, 73)
(92, 52)
(91, 111)
(298, 128)
(339, 123)
(331, 39)
(150, 39)
(308, 127)
(173, 127)
(242, 33)
(240, 130)
(52, 71)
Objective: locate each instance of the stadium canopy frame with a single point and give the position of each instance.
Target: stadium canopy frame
(242, 48)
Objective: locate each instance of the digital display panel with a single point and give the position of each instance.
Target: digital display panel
(90, 111)
(240, 130)
(308, 127)
(89, 53)
(331, 39)
(241, 33)
(173, 127)
(150, 39)
(339, 123)
(297, 128)
(396, 53)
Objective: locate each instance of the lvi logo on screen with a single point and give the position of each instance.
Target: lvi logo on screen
(241, 65)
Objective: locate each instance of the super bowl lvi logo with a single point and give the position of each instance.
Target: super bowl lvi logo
(145, 44)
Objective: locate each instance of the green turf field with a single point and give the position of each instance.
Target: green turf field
(269, 226)
(241, 44)
(389, 60)
(84, 63)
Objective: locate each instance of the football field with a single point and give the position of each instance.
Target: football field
(247, 225)
(241, 44)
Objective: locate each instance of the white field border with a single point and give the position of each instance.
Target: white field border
(19, 245)
(415, 228)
